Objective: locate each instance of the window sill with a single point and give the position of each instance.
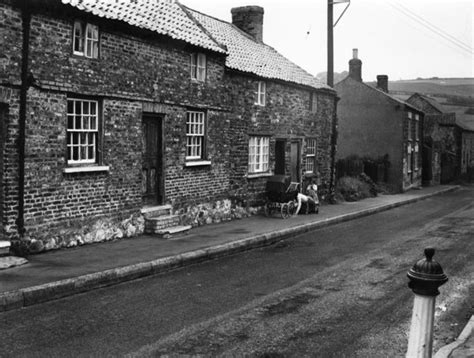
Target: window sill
(259, 175)
(88, 169)
(198, 163)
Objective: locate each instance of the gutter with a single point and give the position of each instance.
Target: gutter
(25, 83)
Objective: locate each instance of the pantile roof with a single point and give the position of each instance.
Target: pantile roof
(248, 55)
(165, 17)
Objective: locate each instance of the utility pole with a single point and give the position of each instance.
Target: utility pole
(330, 74)
(331, 26)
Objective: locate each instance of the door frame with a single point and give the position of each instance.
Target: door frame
(160, 183)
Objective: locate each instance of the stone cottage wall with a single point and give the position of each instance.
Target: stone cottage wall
(137, 72)
(287, 116)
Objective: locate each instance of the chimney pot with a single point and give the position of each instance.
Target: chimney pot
(382, 83)
(250, 20)
(355, 66)
(355, 53)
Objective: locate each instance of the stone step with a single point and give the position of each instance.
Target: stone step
(161, 222)
(168, 233)
(155, 211)
(4, 247)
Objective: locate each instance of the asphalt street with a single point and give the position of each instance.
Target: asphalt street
(338, 291)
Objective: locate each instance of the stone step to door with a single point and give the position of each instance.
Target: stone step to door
(161, 222)
(155, 211)
(4, 248)
(171, 232)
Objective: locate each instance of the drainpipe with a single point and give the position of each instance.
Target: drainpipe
(26, 22)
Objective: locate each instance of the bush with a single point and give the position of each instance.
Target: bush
(353, 189)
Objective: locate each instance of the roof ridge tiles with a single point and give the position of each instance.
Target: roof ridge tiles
(248, 55)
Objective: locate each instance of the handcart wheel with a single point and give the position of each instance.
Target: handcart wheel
(284, 211)
(291, 208)
(267, 209)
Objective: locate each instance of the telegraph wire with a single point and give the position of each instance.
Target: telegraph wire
(437, 32)
(435, 27)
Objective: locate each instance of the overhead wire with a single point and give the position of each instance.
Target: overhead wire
(435, 27)
(459, 45)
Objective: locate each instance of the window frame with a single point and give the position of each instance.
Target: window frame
(416, 164)
(258, 154)
(261, 93)
(198, 66)
(417, 127)
(409, 124)
(310, 155)
(84, 39)
(71, 117)
(201, 136)
(313, 102)
(409, 157)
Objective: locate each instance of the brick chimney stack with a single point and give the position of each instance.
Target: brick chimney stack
(355, 66)
(250, 20)
(382, 83)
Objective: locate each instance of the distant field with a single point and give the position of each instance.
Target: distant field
(448, 86)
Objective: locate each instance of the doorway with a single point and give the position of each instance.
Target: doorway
(295, 161)
(152, 168)
(280, 150)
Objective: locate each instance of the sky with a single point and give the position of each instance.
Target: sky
(404, 39)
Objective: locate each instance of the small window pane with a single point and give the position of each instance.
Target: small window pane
(78, 122)
(78, 109)
(70, 122)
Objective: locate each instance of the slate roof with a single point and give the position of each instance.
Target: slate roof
(248, 55)
(372, 87)
(165, 17)
(432, 102)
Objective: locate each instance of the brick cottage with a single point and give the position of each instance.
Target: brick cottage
(114, 113)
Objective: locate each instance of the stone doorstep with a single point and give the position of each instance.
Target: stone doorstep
(162, 218)
(161, 222)
(4, 247)
(154, 211)
(175, 230)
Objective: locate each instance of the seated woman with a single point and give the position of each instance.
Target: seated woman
(311, 198)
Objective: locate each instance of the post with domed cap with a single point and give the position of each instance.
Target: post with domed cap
(426, 276)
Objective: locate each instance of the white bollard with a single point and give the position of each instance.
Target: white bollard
(426, 276)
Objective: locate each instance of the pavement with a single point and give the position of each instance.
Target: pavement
(65, 272)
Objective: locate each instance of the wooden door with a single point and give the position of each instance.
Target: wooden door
(280, 152)
(152, 169)
(295, 161)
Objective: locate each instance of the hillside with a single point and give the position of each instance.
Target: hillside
(454, 90)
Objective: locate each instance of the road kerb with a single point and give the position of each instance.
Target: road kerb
(50, 291)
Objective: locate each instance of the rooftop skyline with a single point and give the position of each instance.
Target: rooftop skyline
(402, 39)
